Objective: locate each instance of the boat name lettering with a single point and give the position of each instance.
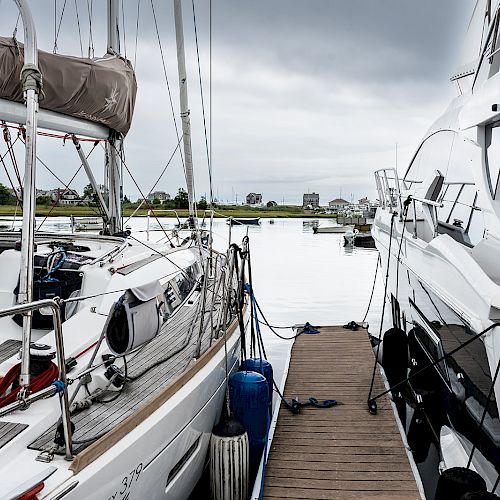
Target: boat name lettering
(124, 492)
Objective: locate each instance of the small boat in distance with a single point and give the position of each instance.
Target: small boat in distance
(86, 223)
(243, 221)
(331, 229)
(363, 239)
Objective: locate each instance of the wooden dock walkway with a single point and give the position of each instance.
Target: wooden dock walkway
(342, 452)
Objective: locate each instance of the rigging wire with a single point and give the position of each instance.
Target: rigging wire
(203, 106)
(60, 22)
(167, 83)
(14, 33)
(137, 32)
(66, 187)
(90, 11)
(158, 180)
(140, 191)
(10, 150)
(8, 174)
(124, 34)
(79, 30)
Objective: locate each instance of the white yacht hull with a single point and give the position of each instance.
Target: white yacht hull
(441, 288)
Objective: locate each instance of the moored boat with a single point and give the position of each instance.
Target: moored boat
(114, 352)
(331, 229)
(438, 234)
(243, 221)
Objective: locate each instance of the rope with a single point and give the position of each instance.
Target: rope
(36, 384)
(373, 289)
(383, 310)
(272, 328)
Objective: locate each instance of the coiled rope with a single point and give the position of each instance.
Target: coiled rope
(36, 384)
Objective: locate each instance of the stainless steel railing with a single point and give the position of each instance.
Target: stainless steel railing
(26, 399)
(387, 182)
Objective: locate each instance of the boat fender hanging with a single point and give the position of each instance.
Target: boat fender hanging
(229, 465)
(395, 355)
(455, 482)
(134, 319)
(248, 397)
(265, 368)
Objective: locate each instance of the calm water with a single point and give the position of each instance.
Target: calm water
(298, 276)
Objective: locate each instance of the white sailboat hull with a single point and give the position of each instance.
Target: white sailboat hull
(142, 465)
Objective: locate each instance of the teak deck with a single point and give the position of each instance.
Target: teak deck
(340, 452)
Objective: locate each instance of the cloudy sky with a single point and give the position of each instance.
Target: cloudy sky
(309, 95)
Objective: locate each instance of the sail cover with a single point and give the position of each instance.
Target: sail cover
(101, 90)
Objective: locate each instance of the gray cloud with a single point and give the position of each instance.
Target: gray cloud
(306, 94)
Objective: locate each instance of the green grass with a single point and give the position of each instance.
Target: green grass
(221, 211)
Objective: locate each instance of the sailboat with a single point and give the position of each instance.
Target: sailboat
(438, 234)
(114, 353)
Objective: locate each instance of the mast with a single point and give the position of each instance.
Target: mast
(186, 123)
(114, 149)
(32, 83)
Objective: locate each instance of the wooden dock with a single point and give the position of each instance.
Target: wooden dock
(340, 452)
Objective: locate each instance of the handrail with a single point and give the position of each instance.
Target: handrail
(169, 210)
(428, 202)
(387, 193)
(25, 399)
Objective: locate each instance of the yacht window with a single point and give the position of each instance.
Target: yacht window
(434, 154)
(453, 155)
(493, 156)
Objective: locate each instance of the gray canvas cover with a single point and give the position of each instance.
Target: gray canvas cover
(101, 90)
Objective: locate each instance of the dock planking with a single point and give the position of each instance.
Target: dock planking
(341, 452)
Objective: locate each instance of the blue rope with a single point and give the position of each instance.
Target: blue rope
(59, 384)
(47, 277)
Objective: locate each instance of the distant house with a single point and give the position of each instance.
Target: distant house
(310, 200)
(271, 203)
(159, 195)
(68, 197)
(338, 204)
(254, 199)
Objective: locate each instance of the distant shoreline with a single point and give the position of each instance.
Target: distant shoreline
(222, 212)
